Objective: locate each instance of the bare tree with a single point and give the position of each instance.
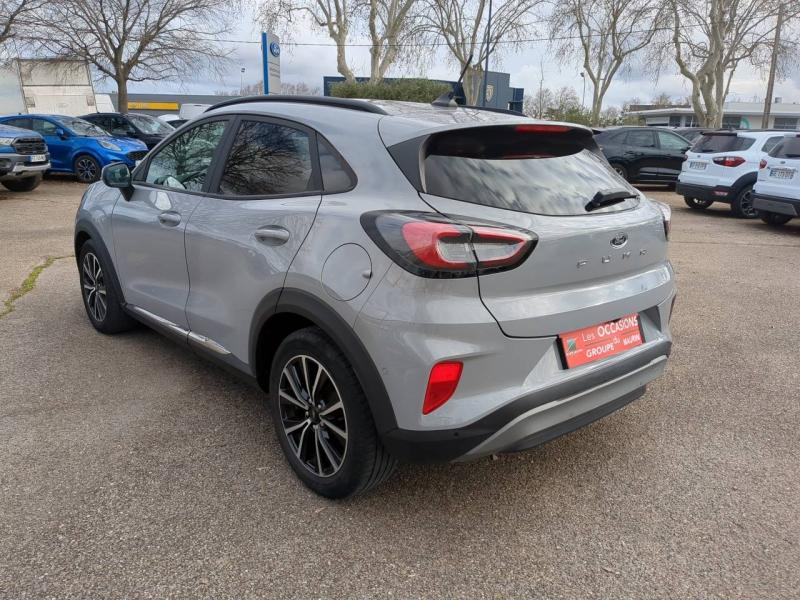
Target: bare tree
(137, 40)
(608, 32)
(336, 17)
(711, 38)
(394, 26)
(461, 26)
(16, 15)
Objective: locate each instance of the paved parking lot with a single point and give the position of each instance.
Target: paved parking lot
(131, 469)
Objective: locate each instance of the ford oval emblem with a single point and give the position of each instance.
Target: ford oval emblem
(275, 49)
(619, 240)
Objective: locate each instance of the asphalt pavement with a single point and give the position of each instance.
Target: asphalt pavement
(129, 468)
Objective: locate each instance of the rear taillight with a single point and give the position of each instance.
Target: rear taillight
(442, 384)
(431, 245)
(666, 214)
(762, 164)
(729, 161)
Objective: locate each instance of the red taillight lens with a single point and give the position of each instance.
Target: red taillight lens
(541, 128)
(729, 161)
(430, 245)
(762, 164)
(442, 384)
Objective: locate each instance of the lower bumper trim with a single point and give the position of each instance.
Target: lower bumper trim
(781, 206)
(704, 192)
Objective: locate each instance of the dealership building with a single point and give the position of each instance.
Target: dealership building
(736, 115)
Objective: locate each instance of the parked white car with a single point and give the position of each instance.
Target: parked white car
(776, 195)
(722, 166)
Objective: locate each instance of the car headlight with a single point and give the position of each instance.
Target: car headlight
(110, 146)
(6, 141)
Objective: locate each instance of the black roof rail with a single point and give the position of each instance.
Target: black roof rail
(348, 103)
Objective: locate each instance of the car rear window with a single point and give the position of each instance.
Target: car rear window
(788, 148)
(710, 143)
(522, 168)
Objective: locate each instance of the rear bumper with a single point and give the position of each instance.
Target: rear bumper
(716, 193)
(776, 204)
(540, 416)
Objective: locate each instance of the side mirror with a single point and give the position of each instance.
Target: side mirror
(118, 175)
(62, 134)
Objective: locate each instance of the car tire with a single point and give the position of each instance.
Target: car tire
(332, 444)
(620, 170)
(103, 306)
(697, 204)
(774, 219)
(86, 169)
(23, 184)
(742, 206)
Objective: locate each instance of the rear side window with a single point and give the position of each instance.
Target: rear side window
(507, 167)
(21, 123)
(789, 148)
(336, 176)
(268, 159)
(183, 163)
(43, 127)
(710, 143)
(641, 139)
(771, 143)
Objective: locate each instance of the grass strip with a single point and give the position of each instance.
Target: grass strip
(27, 285)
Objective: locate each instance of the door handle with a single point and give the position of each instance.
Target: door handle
(272, 235)
(170, 219)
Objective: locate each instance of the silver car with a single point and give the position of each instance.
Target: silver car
(406, 282)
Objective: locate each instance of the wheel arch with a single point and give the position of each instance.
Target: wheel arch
(283, 312)
(86, 231)
(742, 182)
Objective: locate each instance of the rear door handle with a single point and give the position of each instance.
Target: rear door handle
(272, 235)
(170, 219)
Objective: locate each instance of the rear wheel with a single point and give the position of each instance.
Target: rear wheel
(87, 169)
(100, 299)
(742, 206)
(23, 184)
(322, 418)
(774, 219)
(697, 204)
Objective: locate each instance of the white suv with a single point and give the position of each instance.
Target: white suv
(722, 166)
(776, 195)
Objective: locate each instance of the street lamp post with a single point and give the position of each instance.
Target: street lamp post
(583, 97)
(241, 82)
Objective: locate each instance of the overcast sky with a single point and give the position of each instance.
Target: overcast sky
(309, 64)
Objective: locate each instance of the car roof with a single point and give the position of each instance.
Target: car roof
(399, 120)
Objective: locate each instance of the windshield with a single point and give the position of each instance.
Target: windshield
(151, 125)
(711, 143)
(510, 168)
(81, 127)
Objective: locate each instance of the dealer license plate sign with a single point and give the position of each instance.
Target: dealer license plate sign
(597, 342)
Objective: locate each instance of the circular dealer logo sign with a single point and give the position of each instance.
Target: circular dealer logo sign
(275, 49)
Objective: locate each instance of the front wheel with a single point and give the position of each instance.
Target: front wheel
(322, 418)
(100, 300)
(87, 169)
(742, 206)
(23, 184)
(774, 219)
(696, 204)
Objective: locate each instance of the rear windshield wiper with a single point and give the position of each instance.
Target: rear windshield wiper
(607, 198)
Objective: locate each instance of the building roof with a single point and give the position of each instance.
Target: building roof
(780, 109)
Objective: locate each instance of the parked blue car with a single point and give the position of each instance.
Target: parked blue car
(79, 147)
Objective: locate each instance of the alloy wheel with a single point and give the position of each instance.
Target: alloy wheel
(94, 287)
(86, 169)
(747, 205)
(313, 415)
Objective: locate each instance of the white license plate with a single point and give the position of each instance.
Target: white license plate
(700, 166)
(37, 158)
(781, 173)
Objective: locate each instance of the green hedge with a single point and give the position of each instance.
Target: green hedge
(411, 90)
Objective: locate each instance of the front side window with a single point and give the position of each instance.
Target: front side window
(43, 127)
(267, 159)
(670, 141)
(641, 139)
(183, 163)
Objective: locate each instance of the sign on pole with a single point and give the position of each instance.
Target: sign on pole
(271, 63)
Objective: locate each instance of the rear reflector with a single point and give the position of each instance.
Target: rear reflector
(442, 385)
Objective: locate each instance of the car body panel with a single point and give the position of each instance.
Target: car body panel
(656, 162)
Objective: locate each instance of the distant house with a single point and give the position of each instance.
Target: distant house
(736, 115)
